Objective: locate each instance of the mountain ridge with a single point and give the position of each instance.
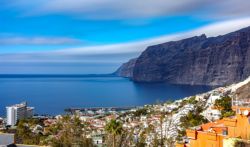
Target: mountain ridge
(197, 60)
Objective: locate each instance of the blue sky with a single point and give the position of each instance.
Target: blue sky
(103, 31)
(86, 32)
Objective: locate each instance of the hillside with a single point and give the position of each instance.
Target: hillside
(204, 101)
(243, 92)
(198, 60)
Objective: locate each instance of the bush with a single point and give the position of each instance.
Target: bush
(181, 133)
(192, 100)
(227, 113)
(24, 133)
(225, 105)
(189, 101)
(140, 112)
(193, 118)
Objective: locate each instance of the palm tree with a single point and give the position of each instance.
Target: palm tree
(114, 128)
(161, 123)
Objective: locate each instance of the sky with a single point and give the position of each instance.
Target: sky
(97, 36)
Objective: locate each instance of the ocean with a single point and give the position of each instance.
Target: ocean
(51, 94)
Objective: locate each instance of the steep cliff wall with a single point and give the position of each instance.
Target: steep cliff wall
(198, 60)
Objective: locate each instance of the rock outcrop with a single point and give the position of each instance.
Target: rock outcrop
(126, 70)
(198, 60)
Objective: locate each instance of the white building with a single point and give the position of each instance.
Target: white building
(98, 139)
(212, 114)
(18, 111)
(213, 97)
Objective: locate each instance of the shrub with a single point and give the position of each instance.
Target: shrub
(192, 100)
(224, 104)
(193, 118)
(140, 112)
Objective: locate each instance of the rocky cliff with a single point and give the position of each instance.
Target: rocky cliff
(198, 60)
(126, 70)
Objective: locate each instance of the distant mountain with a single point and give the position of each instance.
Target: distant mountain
(198, 61)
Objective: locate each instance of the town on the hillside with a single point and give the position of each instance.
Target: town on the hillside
(218, 118)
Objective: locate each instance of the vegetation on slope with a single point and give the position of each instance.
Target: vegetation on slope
(224, 104)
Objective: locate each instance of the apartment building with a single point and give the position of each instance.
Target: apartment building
(18, 111)
(218, 133)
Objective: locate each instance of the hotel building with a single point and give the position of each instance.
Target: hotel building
(18, 111)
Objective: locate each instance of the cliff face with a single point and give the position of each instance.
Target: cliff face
(198, 60)
(126, 70)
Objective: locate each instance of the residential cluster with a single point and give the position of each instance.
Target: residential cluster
(151, 122)
(214, 118)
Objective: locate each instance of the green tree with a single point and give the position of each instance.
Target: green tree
(140, 112)
(141, 140)
(192, 100)
(114, 128)
(24, 132)
(161, 128)
(193, 118)
(225, 105)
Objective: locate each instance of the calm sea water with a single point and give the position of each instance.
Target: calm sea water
(51, 95)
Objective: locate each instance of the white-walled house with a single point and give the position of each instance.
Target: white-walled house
(212, 114)
(213, 97)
